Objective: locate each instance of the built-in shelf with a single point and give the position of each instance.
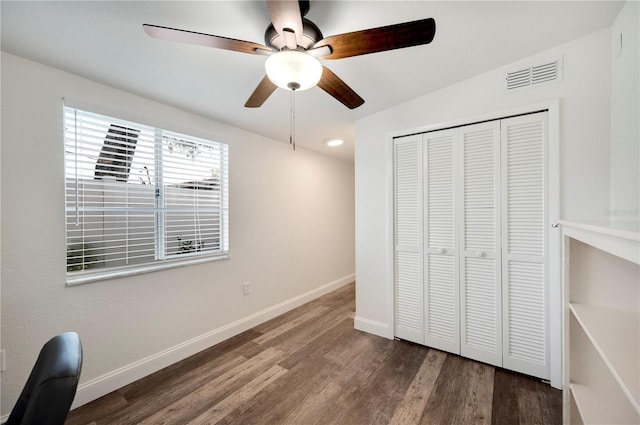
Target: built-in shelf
(599, 407)
(601, 324)
(616, 240)
(603, 327)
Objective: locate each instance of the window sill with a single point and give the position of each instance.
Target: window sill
(89, 277)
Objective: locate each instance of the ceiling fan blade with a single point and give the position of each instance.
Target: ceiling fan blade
(286, 14)
(379, 39)
(207, 40)
(337, 88)
(261, 93)
(320, 52)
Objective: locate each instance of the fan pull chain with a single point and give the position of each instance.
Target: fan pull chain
(292, 121)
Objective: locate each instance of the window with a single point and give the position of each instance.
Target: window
(140, 198)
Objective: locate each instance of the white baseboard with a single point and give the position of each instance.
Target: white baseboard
(373, 327)
(102, 385)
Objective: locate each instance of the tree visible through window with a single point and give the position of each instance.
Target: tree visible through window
(138, 195)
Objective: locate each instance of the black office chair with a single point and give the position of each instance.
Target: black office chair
(47, 396)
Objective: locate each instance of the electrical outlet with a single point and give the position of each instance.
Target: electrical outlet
(246, 288)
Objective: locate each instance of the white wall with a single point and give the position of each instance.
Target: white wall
(584, 96)
(625, 115)
(291, 236)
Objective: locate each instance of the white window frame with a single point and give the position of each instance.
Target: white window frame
(163, 256)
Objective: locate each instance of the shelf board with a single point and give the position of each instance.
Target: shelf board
(621, 243)
(623, 230)
(616, 337)
(601, 407)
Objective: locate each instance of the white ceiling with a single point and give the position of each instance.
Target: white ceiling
(104, 41)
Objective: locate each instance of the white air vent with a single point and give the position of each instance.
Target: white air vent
(536, 74)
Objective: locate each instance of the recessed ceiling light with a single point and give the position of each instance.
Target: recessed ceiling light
(334, 141)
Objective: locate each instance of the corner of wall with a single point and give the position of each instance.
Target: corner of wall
(373, 327)
(625, 110)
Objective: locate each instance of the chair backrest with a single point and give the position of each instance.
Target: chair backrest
(47, 396)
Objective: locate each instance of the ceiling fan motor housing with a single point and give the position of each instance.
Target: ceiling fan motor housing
(311, 34)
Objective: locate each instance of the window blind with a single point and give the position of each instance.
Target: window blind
(138, 195)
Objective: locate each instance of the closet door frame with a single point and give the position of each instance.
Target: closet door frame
(555, 305)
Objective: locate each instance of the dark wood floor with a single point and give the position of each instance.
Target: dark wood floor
(309, 366)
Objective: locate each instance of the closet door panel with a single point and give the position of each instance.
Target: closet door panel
(525, 347)
(442, 322)
(409, 318)
(480, 289)
(441, 264)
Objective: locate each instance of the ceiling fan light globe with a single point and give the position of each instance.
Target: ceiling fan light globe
(293, 70)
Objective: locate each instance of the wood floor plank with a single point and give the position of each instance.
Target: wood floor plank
(193, 366)
(201, 399)
(344, 296)
(160, 395)
(414, 401)
(359, 359)
(300, 336)
(448, 398)
(104, 406)
(285, 327)
(529, 406)
(550, 402)
(514, 392)
(374, 400)
(315, 404)
(364, 356)
(479, 395)
(338, 335)
(240, 397)
(504, 411)
(311, 367)
(276, 403)
(360, 344)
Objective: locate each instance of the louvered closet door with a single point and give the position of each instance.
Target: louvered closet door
(480, 289)
(409, 319)
(439, 152)
(524, 248)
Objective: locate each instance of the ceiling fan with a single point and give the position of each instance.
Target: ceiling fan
(294, 44)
